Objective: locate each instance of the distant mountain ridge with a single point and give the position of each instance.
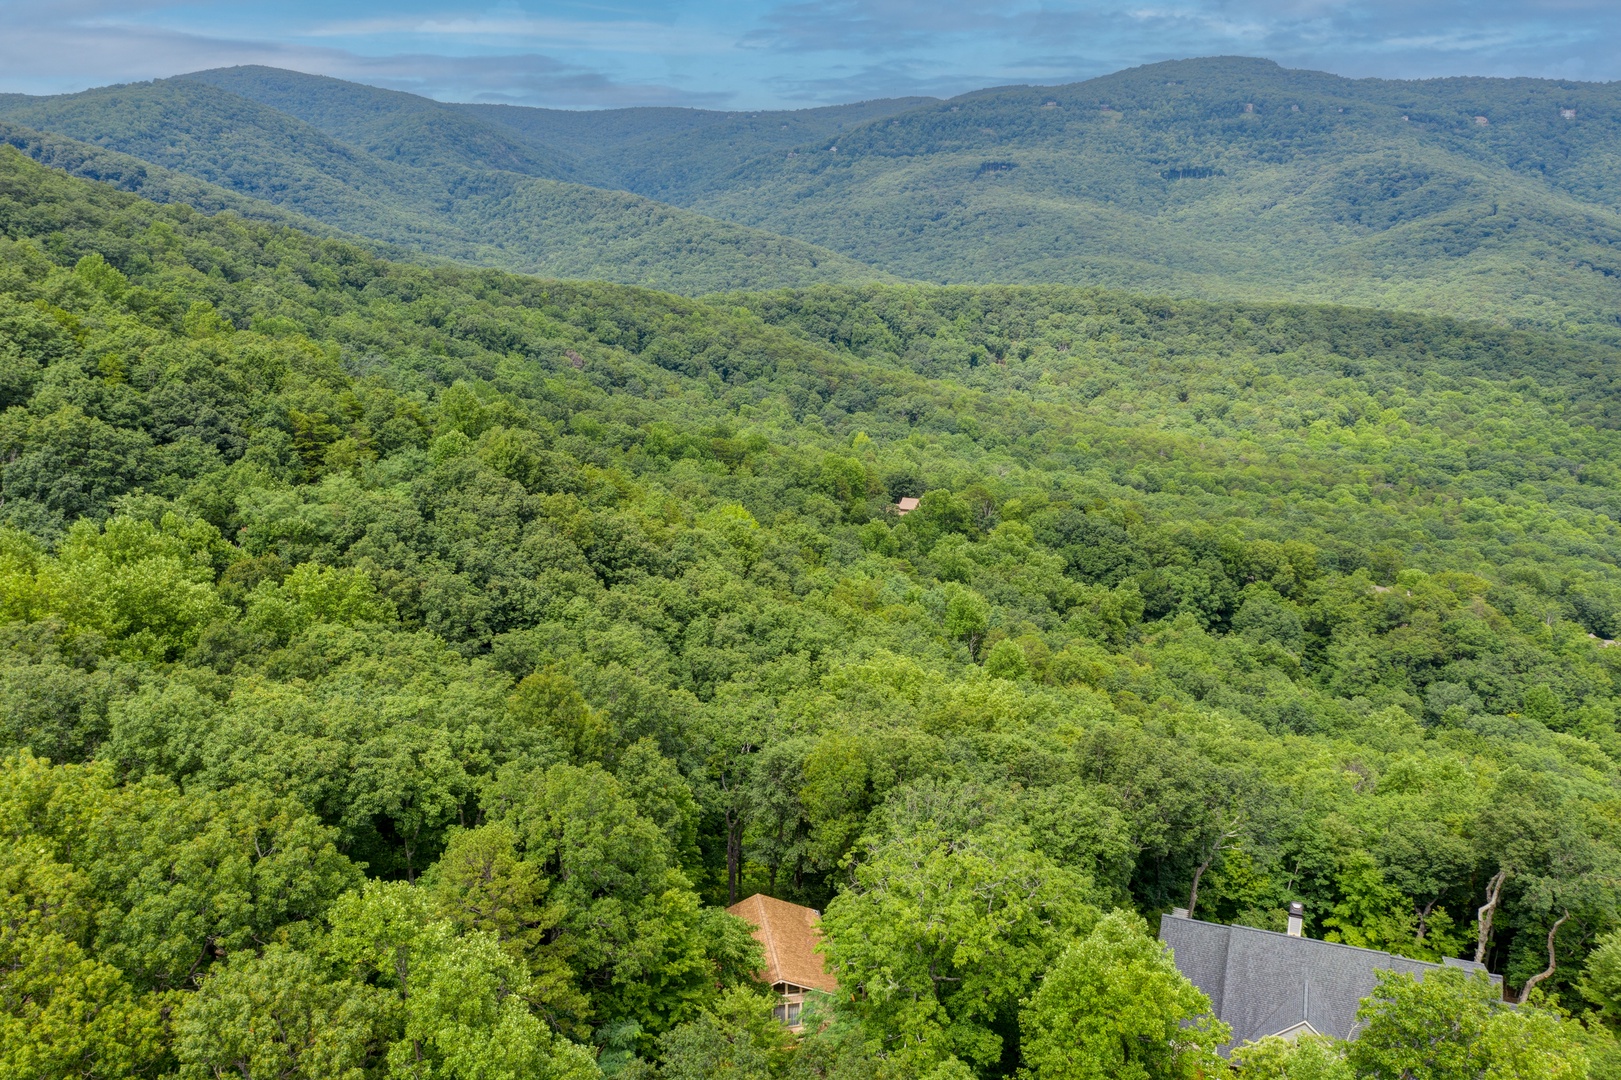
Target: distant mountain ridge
(1224, 178)
(408, 180)
(396, 127)
(1229, 178)
(600, 147)
(152, 182)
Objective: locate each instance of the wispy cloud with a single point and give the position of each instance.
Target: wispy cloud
(517, 79)
(590, 53)
(1355, 37)
(44, 55)
(844, 83)
(613, 35)
(881, 26)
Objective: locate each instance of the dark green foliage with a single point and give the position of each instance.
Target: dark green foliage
(424, 655)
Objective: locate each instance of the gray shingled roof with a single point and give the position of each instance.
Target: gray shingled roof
(1262, 982)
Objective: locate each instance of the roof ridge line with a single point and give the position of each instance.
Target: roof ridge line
(770, 935)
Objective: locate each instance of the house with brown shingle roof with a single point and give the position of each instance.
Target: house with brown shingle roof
(788, 935)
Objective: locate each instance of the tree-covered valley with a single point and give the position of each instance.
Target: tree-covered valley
(405, 665)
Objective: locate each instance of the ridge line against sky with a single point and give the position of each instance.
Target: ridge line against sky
(767, 54)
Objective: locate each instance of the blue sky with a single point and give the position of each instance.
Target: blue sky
(765, 53)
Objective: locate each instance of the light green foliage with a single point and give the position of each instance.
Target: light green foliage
(1450, 1024)
(63, 1011)
(106, 892)
(280, 1014)
(1114, 1005)
(65, 1014)
(314, 594)
(1601, 977)
(627, 921)
(1007, 661)
(844, 479)
(459, 1004)
(468, 1018)
(384, 735)
(188, 879)
(161, 730)
(833, 1045)
(481, 883)
(736, 1039)
(967, 617)
(145, 586)
(1305, 1058)
(550, 702)
(165, 882)
(663, 796)
(940, 937)
(405, 630)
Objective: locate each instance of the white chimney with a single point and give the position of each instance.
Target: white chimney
(1297, 919)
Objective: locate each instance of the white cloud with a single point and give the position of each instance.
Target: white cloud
(513, 79)
(720, 52)
(38, 55)
(1389, 37)
(628, 35)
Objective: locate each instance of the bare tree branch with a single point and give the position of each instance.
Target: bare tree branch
(1193, 895)
(1424, 917)
(1231, 831)
(1488, 910)
(1525, 991)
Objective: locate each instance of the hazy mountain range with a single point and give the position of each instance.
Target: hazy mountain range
(1485, 198)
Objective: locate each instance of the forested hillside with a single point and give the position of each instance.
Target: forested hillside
(402, 665)
(614, 148)
(1485, 198)
(426, 179)
(156, 183)
(1224, 178)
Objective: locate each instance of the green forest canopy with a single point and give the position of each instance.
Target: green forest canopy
(403, 665)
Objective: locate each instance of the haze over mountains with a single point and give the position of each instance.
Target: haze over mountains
(1224, 178)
